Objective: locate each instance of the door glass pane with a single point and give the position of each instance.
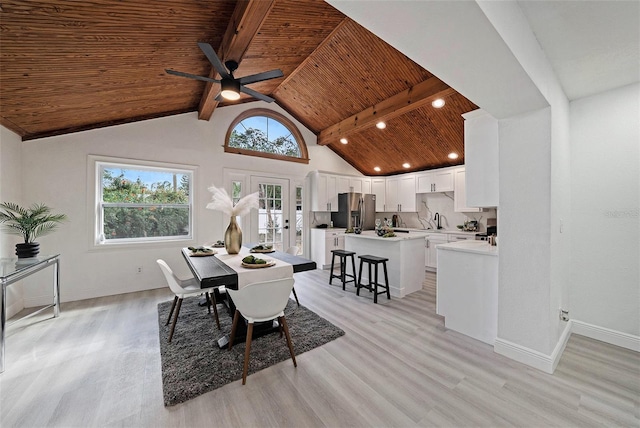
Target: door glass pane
(270, 216)
(299, 223)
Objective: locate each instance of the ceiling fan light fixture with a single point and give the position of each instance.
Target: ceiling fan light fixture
(230, 89)
(381, 125)
(438, 103)
(344, 140)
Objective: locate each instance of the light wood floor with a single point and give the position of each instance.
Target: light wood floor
(99, 365)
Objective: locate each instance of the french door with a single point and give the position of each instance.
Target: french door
(271, 224)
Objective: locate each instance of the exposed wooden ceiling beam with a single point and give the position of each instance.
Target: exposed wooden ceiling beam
(407, 100)
(247, 18)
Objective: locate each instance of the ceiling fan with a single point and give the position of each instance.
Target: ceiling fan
(230, 87)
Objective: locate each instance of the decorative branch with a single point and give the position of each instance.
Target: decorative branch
(221, 201)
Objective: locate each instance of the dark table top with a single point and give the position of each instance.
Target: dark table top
(211, 271)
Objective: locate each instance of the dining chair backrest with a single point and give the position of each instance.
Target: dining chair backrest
(172, 280)
(292, 250)
(262, 301)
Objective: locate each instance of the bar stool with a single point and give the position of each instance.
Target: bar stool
(343, 267)
(373, 286)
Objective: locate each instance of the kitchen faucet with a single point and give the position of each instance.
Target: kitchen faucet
(437, 218)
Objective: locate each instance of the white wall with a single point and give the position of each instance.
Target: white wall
(605, 175)
(57, 171)
(524, 230)
(10, 191)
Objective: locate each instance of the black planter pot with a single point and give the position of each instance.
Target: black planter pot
(24, 251)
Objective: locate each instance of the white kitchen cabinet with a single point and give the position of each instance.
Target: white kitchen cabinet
(455, 237)
(481, 158)
(459, 195)
(366, 186)
(355, 185)
(322, 242)
(342, 184)
(440, 180)
(401, 194)
(431, 255)
(378, 188)
(359, 185)
(467, 289)
(325, 189)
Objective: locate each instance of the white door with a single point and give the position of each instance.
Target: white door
(271, 223)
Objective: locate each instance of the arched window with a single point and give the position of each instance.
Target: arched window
(268, 134)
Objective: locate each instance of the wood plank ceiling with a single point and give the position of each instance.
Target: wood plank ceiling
(68, 65)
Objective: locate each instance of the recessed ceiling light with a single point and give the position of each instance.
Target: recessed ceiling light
(452, 155)
(381, 125)
(376, 169)
(439, 103)
(344, 140)
(406, 165)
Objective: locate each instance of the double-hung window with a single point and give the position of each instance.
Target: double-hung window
(140, 203)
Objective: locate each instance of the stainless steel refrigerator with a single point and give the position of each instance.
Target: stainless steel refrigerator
(355, 210)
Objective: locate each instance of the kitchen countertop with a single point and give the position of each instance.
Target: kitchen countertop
(370, 234)
(476, 247)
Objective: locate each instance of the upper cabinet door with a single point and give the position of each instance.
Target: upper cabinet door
(439, 180)
(407, 193)
(378, 188)
(366, 186)
(443, 180)
(355, 185)
(459, 195)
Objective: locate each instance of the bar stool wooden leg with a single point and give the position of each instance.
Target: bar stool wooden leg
(333, 258)
(386, 279)
(375, 290)
(359, 283)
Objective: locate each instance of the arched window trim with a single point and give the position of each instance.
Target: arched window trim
(304, 154)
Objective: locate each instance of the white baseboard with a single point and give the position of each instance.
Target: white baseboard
(87, 293)
(606, 335)
(14, 308)
(533, 358)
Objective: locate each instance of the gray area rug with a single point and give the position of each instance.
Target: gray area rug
(192, 363)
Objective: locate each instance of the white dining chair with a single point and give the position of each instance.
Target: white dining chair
(294, 252)
(259, 302)
(184, 288)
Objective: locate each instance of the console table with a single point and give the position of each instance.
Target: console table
(13, 270)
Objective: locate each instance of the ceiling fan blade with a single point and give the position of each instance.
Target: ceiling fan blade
(191, 76)
(260, 77)
(214, 60)
(255, 94)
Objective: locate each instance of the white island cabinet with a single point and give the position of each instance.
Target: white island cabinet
(322, 242)
(406, 258)
(467, 288)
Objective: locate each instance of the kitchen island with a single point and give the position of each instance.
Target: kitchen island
(467, 294)
(405, 252)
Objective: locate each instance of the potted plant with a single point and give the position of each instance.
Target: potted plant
(28, 223)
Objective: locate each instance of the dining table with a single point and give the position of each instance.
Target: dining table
(223, 269)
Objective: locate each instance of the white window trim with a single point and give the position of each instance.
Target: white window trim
(94, 202)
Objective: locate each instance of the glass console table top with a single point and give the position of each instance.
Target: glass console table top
(12, 266)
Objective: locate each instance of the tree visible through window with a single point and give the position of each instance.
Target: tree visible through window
(265, 133)
(138, 203)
